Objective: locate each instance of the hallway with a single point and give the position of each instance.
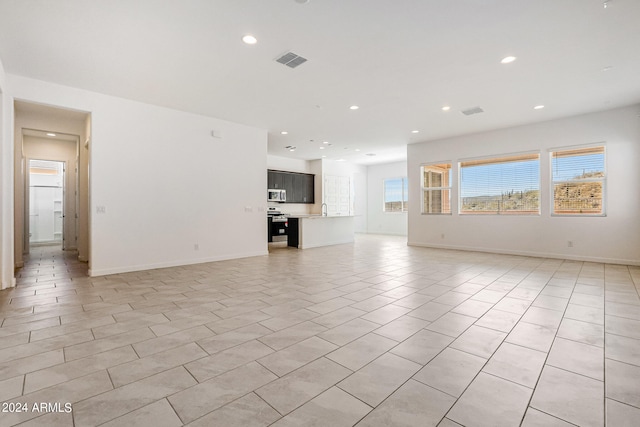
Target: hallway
(46, 266)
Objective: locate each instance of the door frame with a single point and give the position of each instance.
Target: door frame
(26, 178)
(27, 201)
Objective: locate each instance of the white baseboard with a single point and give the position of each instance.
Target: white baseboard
(143, 267)
(535, 254)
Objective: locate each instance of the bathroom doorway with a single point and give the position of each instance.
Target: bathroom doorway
(46, 202)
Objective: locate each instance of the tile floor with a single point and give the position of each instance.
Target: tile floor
(371, 334)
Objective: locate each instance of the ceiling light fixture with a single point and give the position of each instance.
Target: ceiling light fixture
(446, 108)
(538, 107)
(284, 132)
(357, 149)
(249, 39)
(51, 134)
(508, 59)
(415, 131)
(606, 4)
(354, 107)
(325, 142)
(607, 68)
(322, 148)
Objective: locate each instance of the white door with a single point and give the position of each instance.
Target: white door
(46, 201)
(337, 195)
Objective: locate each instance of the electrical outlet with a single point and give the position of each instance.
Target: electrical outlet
(101, 209)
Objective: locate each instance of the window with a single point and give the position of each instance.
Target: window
(396, 193)
(436, 188)
(577, 176)
(501, 185)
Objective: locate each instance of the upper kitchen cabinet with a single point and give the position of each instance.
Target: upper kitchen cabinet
(308, 188)
(275, 180)
(299, 186)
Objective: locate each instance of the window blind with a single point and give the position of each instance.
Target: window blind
(578, 181)
(436, 188)
(500, 185)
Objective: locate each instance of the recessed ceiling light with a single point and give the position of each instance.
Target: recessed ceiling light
(284, 132)
(415, 131)
(341, 160)
(508, 59)
(51, 134)
(354, 107)
(538, 107)
(292, 149)
(446, 108)
(322, 148)
(249, 39)
(325, 142)
(357, 149)
(371, 154)
(324, 157)
(607, 68)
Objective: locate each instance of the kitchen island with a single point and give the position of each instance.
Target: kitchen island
(312, 231)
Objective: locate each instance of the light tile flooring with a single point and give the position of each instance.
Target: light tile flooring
(370, 334)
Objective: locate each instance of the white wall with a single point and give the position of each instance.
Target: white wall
(613, 238)
(6, 186)
(286, 164)
(165, 183)
(378, 221)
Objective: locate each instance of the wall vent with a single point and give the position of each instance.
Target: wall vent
(291, 60)
(474, 110)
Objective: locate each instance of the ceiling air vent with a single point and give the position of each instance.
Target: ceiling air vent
(291, 60)
(474, 110)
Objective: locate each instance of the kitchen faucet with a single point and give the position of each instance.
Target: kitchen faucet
(325, 209)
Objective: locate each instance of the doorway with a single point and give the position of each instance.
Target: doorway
(51, 181)
(46, 203)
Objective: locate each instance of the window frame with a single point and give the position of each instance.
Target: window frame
(404, 196)
(424, 190)
(497, 159)
(553, 183)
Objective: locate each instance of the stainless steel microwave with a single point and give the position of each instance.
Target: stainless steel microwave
(275, 195)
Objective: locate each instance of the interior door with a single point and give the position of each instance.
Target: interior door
(46, 202)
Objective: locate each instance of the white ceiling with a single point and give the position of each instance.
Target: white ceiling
(399, 60)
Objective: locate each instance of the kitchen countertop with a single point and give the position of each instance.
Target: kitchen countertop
(314, 216)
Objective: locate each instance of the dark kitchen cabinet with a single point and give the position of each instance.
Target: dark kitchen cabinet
(293, 237)
(308, 185)
(287, 184)
(275, 179)
(299, 186)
